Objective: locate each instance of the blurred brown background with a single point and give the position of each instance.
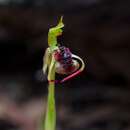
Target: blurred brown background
(96, 30)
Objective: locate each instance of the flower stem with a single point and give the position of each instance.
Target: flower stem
(50, 118)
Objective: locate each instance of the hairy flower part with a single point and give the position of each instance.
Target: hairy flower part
(65, 63)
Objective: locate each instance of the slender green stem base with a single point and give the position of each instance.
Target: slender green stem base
(50, 119)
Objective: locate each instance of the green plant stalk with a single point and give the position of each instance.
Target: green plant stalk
(50, 118)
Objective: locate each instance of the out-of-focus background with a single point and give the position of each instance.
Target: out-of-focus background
(96, 30)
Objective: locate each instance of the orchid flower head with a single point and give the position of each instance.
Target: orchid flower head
(64, 61)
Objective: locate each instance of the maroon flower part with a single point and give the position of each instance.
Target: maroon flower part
(64, 57)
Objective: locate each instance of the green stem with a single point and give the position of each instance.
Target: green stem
(50, 119)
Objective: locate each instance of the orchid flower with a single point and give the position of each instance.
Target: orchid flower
(57, 60)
